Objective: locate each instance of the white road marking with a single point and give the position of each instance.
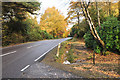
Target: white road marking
(16, 45)
(36, 45)
(29, 47)
(44, 53)
(8, 53)
(25, 68)
(33, 46)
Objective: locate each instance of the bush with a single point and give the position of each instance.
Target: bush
(13, 38)
(24, 32)
(74, 39)
(46, 35)
(109, 33)
(79, 31)
(37, 34)
(70, 56)
(89, 40)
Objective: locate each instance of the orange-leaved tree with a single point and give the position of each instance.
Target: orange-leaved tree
(53, 22)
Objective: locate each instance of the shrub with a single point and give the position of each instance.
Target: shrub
(109, 33)
(89, 40)
(74, 39)
(79, 31)
(70, 56)
(12, 38)
(47, 35)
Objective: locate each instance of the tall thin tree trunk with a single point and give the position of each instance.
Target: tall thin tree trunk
(98, 14)
(94, 58)
(92, 27)
(85, 15)
(119, 10)
(78, 18)
(109, 4)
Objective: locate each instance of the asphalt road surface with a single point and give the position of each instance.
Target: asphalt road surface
(17, 59)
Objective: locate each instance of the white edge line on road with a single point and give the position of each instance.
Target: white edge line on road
(25, 68)
(8, 53)
(45, 53)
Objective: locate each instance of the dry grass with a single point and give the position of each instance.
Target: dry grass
(105, 67)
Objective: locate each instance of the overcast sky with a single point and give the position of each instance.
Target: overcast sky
(61, 5)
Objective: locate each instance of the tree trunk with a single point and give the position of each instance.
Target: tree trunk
(85, 15)
(94, 58)
(109, 4)
(78, 18)
(98, 14)
(92, 27)
(119, 10)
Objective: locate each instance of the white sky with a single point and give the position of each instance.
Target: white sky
(61, 5)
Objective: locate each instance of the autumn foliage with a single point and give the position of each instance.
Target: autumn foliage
(53, 22)
(19, 26)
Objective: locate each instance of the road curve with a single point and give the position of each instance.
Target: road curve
(17, 59)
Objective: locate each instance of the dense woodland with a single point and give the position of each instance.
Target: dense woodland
(97, 22)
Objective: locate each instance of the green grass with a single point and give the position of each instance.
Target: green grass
(62, 53)
(74, 39)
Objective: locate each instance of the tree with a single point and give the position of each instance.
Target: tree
(74, 12)
(14, 13)
(98, 13)
(53, 22)
(92, 14)
(79, 31)
(84, 7)
(18, 10)
(94, 32)
(15, 26)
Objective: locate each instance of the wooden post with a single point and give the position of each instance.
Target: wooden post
(58, 50)
(93, 57)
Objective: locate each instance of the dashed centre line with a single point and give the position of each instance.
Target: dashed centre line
(7, 53)
(30, 47)
(35, 59)
(33, 46)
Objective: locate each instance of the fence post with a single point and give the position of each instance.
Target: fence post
(93, 57)
(58, 50)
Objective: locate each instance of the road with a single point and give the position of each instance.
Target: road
(17, 59)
